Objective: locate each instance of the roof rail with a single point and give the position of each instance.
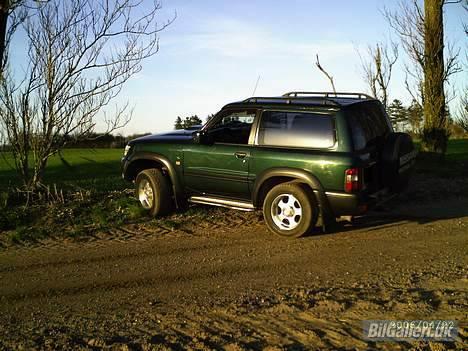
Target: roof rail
(328, 94)
(288, 100)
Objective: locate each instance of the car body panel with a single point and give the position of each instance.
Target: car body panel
(217, 170)
(328, 168)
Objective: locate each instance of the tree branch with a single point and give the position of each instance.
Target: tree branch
(330, 78)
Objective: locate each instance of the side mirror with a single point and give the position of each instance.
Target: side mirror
(202, 137)
(196, 136)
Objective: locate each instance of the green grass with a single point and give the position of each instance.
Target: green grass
(89, 169)
(455, 162)
(457, 150)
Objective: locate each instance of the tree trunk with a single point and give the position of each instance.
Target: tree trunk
(4, 7)
(435, 135)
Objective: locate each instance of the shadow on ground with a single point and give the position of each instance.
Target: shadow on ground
(428, 199)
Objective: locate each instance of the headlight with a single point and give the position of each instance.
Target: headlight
(127, 149)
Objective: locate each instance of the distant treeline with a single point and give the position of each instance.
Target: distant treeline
(98, 141)
(93, 141)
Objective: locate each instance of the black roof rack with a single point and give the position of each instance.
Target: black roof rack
(291, 100)
(328, 94)
(311, 98)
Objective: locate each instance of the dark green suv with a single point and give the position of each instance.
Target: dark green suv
(298, 157)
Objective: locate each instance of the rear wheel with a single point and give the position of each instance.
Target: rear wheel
(290, 210)
(153, 190)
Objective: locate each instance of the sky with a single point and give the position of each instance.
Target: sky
(214, 51)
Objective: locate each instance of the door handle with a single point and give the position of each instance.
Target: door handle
(240, 155)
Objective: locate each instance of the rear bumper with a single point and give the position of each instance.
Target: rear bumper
(344, 204)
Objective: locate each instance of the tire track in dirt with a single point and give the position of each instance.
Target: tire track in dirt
(196, 225)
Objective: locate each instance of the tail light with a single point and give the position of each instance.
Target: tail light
(353, 180)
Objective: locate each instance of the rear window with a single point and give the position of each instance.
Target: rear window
(368, 124)
(296, 129)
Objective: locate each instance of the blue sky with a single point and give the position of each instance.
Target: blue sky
(215, 50)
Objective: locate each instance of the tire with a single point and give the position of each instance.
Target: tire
(153, 190)
(398, 157)
(290, 210)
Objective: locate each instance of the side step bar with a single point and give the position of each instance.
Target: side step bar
(214, 201)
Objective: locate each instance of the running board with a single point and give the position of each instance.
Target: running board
(214, 201)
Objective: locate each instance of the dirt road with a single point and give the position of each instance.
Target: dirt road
(229, 284)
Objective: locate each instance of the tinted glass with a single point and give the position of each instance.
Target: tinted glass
(233, 127)
(296, 129)
(368, 124)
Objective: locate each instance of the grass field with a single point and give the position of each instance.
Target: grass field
(90, 169)
(455, 162)
(457, 150)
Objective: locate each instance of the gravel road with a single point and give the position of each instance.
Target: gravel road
(230, 284)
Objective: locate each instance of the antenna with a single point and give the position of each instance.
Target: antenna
(256, 85)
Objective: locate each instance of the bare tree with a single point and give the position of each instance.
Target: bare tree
(462, 113)
(4, 14)
(422, 38)
(463, 103)
(12, 14)
(6, 6)
(80, 55)
(14, 11)
(330, 78)
(465, 25)
(377, 69)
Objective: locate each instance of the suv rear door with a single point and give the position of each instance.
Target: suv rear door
(369, 126)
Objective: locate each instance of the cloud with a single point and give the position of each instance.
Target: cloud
(237, 39)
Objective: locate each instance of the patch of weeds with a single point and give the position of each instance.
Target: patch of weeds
(99, 216)
(24, 233)
(79, 214)
(60, 215)
(77, 231)
(14, 236)
(135, 211)
(126, 208)
(14, 217)
(4, 196)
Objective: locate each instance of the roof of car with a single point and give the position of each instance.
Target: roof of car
(326, 99)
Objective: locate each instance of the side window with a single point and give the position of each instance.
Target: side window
(296, 129)
(233, 128)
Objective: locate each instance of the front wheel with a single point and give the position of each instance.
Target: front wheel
(290, 210)
(153, 190)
